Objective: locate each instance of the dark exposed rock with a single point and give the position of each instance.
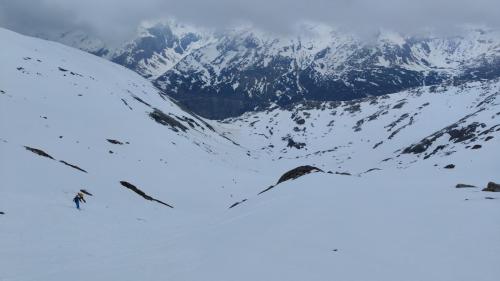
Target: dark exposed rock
(399, 105)
(114, 141)
(436, 150)
(267, 189)
(72, 166)
(343, 173)
(492, 187)
(84, 191)
(378, 144)
(39, 152)
(291, 143)
(457, 134)
(489, 198)
(298, 172)
(166, 120)
(449, 166)
(293, 174)
(62, 69)
(477, 146)
(465, 133)
(141, 101)
(2, 213)
(141, 193)
(125, 102)
(372, 169)
(237, 203)
(463, 185)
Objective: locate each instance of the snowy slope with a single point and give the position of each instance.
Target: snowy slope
(406, 221)
(427, 123)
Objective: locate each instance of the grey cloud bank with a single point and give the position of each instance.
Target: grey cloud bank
(118, 19)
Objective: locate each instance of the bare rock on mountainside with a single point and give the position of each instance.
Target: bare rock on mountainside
(463, 185)
(492, 187)
(293, 174)
(84, 191)
(298, 172)
(142, 193)
(449, 166)
(112, 141)
(39, 152)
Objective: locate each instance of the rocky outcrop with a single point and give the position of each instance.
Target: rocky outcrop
(298, 172)
(142, 193)
(39, 152)
(492, 187)
(463, 185)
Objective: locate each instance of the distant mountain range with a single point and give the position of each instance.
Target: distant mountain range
(227, 73)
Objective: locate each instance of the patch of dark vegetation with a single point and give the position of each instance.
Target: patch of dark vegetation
(142, 194)
(84, 191)
(463, 185)
(492, 187)
(141, 101)
(449, 166)
(72, 166)
(39, 152)
(114, 141)
(166, 120)
(237, 203)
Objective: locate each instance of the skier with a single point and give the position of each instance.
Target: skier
(78, 198)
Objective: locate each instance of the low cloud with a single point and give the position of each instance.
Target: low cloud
(115, 20)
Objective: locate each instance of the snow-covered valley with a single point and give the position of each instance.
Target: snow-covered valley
(384, 207)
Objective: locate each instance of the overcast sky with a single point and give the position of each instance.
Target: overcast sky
(118, 19)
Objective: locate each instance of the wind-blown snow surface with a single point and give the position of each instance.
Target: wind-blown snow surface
(404, 222)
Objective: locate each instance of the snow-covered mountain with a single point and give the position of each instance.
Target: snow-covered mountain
(181, 198)
(245, 69)
(424, 124)
(227, 73)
